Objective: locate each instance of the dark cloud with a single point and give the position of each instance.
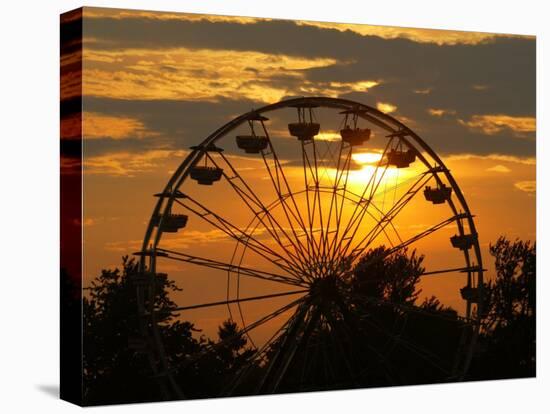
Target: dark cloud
(180, 124)
(492, 77)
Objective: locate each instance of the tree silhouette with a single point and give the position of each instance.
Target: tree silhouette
(392, 277)
(367, 329)
(507, 344)
(115, 373)
(70, 339)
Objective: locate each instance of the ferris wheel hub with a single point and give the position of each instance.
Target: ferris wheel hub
(326, 287)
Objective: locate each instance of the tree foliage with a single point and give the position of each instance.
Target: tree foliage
(350, 338)
(507, 344)
(392, 277)
(114, 373)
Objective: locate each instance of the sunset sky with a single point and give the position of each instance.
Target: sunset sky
(154, 84)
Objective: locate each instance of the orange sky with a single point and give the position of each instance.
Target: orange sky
(146, 103)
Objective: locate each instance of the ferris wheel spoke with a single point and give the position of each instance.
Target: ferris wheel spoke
(284, 194)
(338, 251)
(387, 218)
(294, 241)
(311, 326)
(340, 206)
(247, 240)
(241, 270)
(372, 184)
(307, 172)
(377, 218)
(308, 169)
(278, 363)
(239, 334)
(333, 198)
(353, 225)
(332, 190)
(412, 191)
(383, 214)
(355, 221)
(317, 208)
(240, 300)
(347, 197)
(253, 361)
(395, 231)
(261, 212)
(310, 323)
(318, 198)
(390, 241)
(360, 249)
(282, 179)
(336, 339)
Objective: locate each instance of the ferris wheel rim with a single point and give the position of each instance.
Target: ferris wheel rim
(371, 114)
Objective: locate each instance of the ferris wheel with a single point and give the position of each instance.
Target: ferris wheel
(264, 223)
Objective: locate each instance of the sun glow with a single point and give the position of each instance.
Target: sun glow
(369, 165)
(328, 135)
(386, 176)
(366, 157)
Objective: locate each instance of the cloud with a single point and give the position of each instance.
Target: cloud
(499, 169)
(385, 107)
(99, 12)
(439, 37)
(493, 124)
(441, 112)
(96, 125)
(127, 163)
(207, 74)
(480, 87)
(494, 157)
(184, 240)
(190, 238)
(424, 91)
(124, 246)
(527, 186)
(182, 78)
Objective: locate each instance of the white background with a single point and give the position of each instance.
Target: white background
(29, 162)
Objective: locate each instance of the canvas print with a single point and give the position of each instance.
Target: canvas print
(259, 206)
